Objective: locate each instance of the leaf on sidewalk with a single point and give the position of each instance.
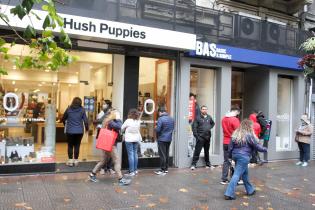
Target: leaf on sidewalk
(233, 208)
(258, 189)
(118, 190)
(269, 208)
(203, 207)
(312, 194)
(28, 207)
(260, 208)
(296, 188)
(183, 190)
(205, 181)
(245, 197)
(305, 180)
(245, 204)
(262, 196)
(151, 205)
(146, 195)
(66, 200)
(20, 204)
(163, 200)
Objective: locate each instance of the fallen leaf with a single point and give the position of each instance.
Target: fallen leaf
(312, 194)
(269, 208)
(305, 180)
(151, 205)
(261, 196)
(238, 193)
(20, 204)
(261, 185)
(268, 203)
(295, 188)
(233, 208)
(203, 207)
(260, 208)
(136, 206)
(124, 192)
(146, 195)
(183, 190)
(205, 181)
(163, 200)
(282, 179)
(67, 200)
(245, 204)
(28, 207)
(118, 190)
(245, 197)
(258, 189)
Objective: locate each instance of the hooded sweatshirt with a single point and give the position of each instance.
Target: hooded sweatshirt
(256, 125)
(229, 124)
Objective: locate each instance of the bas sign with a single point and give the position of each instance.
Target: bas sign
(211, 50)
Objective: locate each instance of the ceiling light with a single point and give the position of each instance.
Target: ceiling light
(43, 82)
(13, 82)
(54, 84)
(47, 70)
(15, 89)
(40, 85)
(77, 72)
(14, 67)
(69, 85)
(37, 90)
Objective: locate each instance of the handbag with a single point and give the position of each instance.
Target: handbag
(106, 139)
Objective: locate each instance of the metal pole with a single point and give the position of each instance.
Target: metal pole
(310, 98)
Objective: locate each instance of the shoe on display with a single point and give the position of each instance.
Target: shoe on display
(193, 167)
(92, 178)
(240, 182)
(305, 164)
(299, 163)
(124, 181)
(160, 172)
(76, 162)
(224, 182)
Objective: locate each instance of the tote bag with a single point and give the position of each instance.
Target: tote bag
(106, 139)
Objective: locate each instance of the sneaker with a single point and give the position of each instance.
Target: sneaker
(69, 162)
(111, 171)
(131, 174)
(76, 162)
(299, 163)
(224, 182)
(228, 197)
(102, 172)
(253, 193)
(305, 164)
(193, 167)
(124, 181)
(160, 172)
(166, 171)
(92, 178)
(136, 172)
(240, 182)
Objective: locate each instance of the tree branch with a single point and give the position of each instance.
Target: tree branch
(24, 40)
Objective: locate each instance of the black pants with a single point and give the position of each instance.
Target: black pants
(74, 142)
(226, 163)
(164, 148)
(205, 144)
(304, 151)
(265, 144)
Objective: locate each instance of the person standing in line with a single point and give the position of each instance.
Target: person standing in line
(303, 139)
(196, 108)
(73, 120)
(164, 131)
(263, 125)
(202, 132)
(112, 122)
(131, 128)
(257, 131)
(242, 144)
(230, 123)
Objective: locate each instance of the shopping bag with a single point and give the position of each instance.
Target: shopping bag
(106, 139)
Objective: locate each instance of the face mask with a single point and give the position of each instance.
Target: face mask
(104, 106)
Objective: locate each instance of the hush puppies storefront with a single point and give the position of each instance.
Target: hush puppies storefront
(132, 65)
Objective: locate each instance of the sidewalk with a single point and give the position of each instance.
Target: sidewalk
(280, 185)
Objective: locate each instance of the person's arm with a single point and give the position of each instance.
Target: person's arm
(212, 123)
(115, 124)
(307, 131)
(255, 145)
(195, 128)
(158, 127)
(85, 120)
(65, 117)
(124, 125)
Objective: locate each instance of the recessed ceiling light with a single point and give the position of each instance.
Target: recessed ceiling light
(77, 72)
(47, 70)
(39, 85)
(15, 89)
(69, 85)
(13, 82)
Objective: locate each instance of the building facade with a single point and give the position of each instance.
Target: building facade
(148, 54)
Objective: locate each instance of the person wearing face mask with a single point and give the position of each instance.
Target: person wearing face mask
(303, 139)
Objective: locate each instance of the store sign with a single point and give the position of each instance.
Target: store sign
(89, 102)
(79, 26)
(228, 53)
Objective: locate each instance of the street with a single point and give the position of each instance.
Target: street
(279, 185)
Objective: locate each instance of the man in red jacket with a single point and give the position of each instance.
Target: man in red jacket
(230, 123)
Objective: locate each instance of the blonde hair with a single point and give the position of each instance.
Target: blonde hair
(246, 128)
(109, 117)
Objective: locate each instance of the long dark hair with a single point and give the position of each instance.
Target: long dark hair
(133, 114)
(76, 102)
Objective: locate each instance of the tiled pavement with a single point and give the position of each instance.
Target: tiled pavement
(280, 185)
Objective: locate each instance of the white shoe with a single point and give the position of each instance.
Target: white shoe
(76, 162)
(193, 167)
(131, 174)
(240, 182)
(70, 162)
(299, 163)
(102, 171)
(305, 164)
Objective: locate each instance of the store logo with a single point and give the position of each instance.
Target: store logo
(211, 50)
(149, 104)
(105, 28)
(10, 102)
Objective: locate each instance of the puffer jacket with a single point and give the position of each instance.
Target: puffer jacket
(164, 128)
(246, 148)
(256, 125)
(74, 118)
(202, 127)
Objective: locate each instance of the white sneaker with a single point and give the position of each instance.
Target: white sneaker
(299, 163)
(240, 182)
(193, 167)
(131, 174)
(112, 171)
(76, 162)
(102, 171)
(305, 164)
(70, 162)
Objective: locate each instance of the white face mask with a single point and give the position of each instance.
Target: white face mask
(104, 106)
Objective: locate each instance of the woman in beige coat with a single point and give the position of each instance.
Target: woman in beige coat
(303, 138)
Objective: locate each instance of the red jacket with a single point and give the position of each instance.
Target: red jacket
(229, 125)
(256, 126)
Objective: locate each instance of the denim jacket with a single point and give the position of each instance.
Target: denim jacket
(245, 148)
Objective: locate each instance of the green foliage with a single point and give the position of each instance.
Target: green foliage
(45, 52)
(309, 45)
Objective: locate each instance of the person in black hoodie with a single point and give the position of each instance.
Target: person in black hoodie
(263, 124)
(73, 119)
(202, 132)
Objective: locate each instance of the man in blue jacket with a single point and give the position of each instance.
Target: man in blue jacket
(164, 131)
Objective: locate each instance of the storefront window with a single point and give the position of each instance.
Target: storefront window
(155, 91)
(284, 114)
(202, 85)
(30, 99)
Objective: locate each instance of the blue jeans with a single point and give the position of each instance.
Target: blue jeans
(132, 150)
(241, 170)
(304, 151)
